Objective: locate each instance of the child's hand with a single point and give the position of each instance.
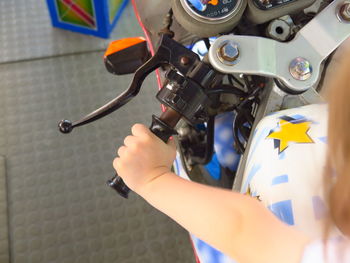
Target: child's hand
(143, 158)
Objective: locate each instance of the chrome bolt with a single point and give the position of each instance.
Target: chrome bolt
(344, 12)
(300, 69)
(228, 53)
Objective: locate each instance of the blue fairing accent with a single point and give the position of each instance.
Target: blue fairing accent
(211, 252)
(213, 168)
(224, 141)
(208, 254)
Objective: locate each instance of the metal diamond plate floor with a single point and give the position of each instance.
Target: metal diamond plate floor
(59, 207)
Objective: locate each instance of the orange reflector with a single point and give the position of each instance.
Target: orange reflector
(121, 44)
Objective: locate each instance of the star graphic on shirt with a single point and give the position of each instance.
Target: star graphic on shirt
(254, 195)
(290, 131)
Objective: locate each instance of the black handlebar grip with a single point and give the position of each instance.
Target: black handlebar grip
(118, 184)
(163, 131)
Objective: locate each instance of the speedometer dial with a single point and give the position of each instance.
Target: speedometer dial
(210, 10)
(207, 18)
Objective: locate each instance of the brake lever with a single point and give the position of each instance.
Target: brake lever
(66, 126)
(165, 55)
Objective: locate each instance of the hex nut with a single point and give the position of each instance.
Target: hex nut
(228, 53)
(300, 69)
(344, 12)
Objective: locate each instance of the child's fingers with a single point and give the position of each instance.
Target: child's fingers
(121, 151)
(129, 140)
(116, 162)
(140, 130)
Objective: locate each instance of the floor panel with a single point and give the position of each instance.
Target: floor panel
(60, 209)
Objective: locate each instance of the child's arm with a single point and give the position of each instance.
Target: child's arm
(233, 223)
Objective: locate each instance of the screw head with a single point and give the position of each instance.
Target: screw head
(228, 53)
(300, 69)
(185, 60)
(344, 12)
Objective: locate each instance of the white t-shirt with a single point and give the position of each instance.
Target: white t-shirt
(337, 251)
(285, 166)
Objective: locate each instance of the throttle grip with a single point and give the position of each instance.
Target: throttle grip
(163, 130)
(118, 184)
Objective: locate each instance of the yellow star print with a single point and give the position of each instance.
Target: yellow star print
(291, 132)
(249, 192)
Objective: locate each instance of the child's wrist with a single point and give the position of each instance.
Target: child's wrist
(151, 185)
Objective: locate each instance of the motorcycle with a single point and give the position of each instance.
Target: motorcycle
(227, 69)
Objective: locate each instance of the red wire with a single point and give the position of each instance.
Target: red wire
(137, 14)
